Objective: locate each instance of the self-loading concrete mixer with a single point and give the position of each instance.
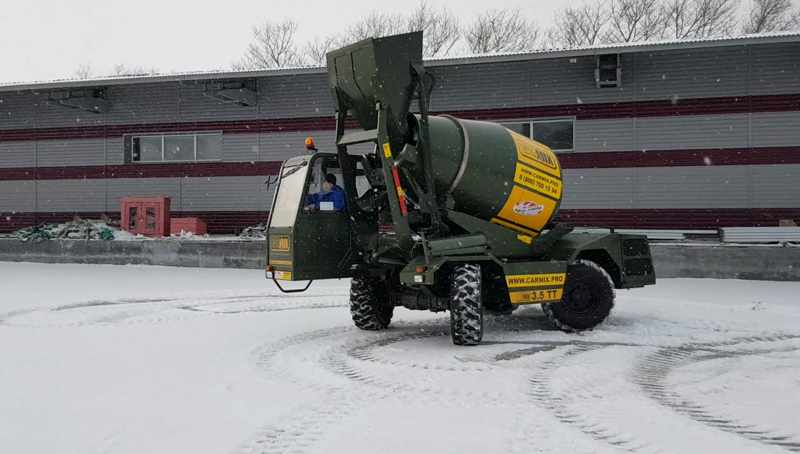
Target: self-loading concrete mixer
(471, 207)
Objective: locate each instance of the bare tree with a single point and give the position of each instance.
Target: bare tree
(771, 16)
(124, 70)
(581, 26)
(84, 71)
(700, 18)
(440, 27)
(316, 49)
(635, 20)
(502, 31)
(374, 25)
(274, 46)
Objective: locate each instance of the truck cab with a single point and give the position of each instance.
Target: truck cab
(313, 244)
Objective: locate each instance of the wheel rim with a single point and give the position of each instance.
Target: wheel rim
(582, 298)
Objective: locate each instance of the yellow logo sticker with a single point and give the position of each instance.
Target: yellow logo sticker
(525, 239)
(528, 209)
(536, 296)
(387, 151)
(280, 262)
(535, 280)
(536, 154)
(283, 275)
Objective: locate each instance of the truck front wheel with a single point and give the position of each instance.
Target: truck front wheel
(369, 305)
(466, 305)
(587, 299)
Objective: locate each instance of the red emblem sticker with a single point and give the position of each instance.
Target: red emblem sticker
(528, 208)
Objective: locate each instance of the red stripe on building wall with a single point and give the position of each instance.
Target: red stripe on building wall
(696, 218)
(601, 160)
(681, 158)
(628, 109)
(183, 170)
(177, 170)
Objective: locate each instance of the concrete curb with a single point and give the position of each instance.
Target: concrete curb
(193, 254)
(752, 262)
(671, 261)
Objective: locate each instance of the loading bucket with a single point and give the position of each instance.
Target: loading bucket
(377, 70)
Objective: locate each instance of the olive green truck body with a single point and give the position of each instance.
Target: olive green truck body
(444, 214)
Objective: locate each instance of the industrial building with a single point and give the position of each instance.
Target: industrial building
(694, 134)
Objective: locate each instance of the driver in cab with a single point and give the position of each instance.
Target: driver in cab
(331, 192)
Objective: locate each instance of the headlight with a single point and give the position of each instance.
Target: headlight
(419, 279)
(269, 275)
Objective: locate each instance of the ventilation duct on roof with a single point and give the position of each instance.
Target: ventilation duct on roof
(93, 101)
(608, 72)
(240, 93)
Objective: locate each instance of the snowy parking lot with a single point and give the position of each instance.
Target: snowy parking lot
(104, 359)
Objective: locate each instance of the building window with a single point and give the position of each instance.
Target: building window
(174, 147)
(559, 135)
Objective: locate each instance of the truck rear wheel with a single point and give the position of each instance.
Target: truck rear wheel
(587, 299)
(369, 306)
(466, 305)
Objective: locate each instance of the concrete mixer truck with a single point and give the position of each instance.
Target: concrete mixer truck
(440, 213)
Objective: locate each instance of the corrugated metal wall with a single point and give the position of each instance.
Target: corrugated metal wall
(17, 110)
(775, 69)
(57, 153)
(703, 73)
(673, 76)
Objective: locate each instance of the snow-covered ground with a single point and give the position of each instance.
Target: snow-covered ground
(103, 359)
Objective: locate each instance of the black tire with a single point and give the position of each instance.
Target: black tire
(369, 305)
(587, 299)
(466, 305)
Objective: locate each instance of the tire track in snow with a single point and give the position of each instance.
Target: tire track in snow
(304, 432)
(545, 397)
(590, 406)
(423, 384)
(350, 374)
(655, 368)
(332, 363)
(146, 310)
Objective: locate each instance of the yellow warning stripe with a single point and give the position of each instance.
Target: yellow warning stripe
(280, 262)
(513, 227)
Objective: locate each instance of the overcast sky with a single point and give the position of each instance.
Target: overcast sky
(48, 39)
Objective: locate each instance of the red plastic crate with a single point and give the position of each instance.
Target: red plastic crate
(193, 225)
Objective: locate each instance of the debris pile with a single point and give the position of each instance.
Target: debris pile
(258, 231)
(77, 229)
